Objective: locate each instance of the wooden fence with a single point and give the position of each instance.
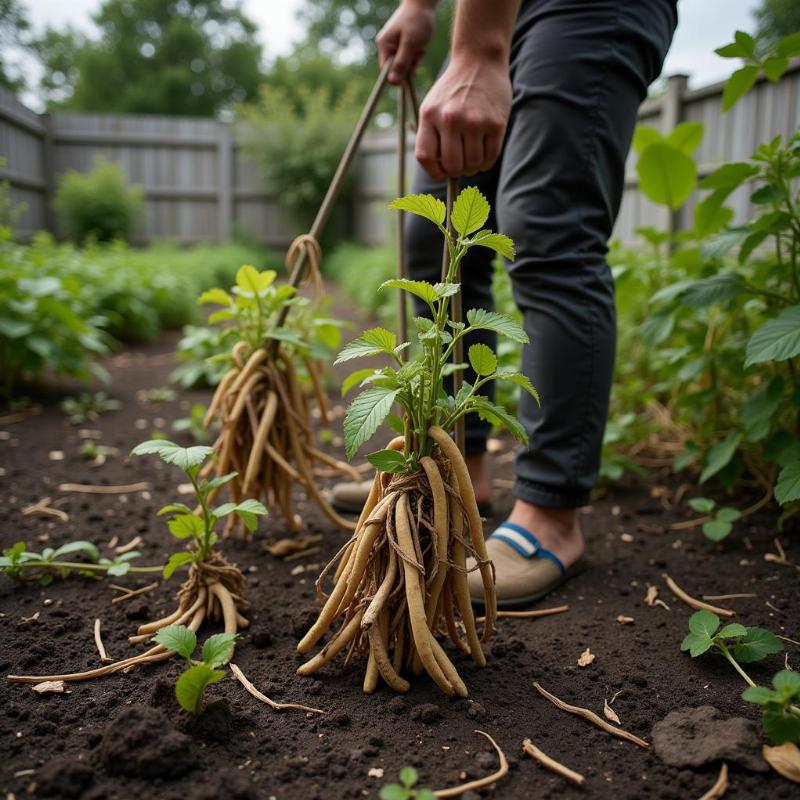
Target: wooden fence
(199, 186)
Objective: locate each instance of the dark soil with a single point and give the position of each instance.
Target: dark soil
(124, 736)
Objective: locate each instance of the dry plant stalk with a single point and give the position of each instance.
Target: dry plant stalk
(720, 785)
(479, 783)
(550, 763)
(532, 614)
(90, 488)
(403, 575)
(693, 602)
(591, 717)
(267, 435)
(214, 590)
(240, 676)
(98, 640)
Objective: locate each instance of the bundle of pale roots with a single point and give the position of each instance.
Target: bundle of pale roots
(402, 577)
(266, 435)
(214, 590)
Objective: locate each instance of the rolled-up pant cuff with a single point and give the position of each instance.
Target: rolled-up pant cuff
(540, 495)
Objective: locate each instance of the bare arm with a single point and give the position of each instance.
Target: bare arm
(465, 114)
(405, 36)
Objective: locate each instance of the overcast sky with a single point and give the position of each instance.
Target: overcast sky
(704, 25)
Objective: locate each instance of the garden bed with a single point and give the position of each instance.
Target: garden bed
(124, 736)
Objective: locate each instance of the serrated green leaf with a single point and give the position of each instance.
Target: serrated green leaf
(499, 323)
(253, 282)
(666, 175)
(185, 525)
(520, 380)
(470, 211)
(757, 644)
(177, 638)
(446, 289)
(221, 480)
(686, 136)
(738, 85)
(175, 561)
(787, 489)
(372, 342)
(776, 340)
(732, 630)
(422, 289)
(498, 415)
(720, 288)
(720, 455)
(498, 242)
(365, 415)
(391, 461)
(704, 623)
(696, 644)
(482, 359)
(354, 379)
(183, 457)
(423, 205)
(218, 649)
(192, 684)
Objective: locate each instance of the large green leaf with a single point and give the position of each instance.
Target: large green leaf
(644, 136)
(391, 461)
(372, 342)
(719, 288)
(738, 85)
(729, 176)
(498, 242)
(184, 526)
(423, 205)
(787, 488)
(192, 683)
(757, 645)
(183, 457)
(704, 623)
(666, 174)
(497, 415)
(218, 649)
(520, 380)
(720, 455)
(470, 211)
(178, 638)
(422, 289)
(365, 415)
(686, 136)
(482, 359)
(499, 323)
(776, 340)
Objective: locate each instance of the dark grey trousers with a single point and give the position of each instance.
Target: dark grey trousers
(579, 70)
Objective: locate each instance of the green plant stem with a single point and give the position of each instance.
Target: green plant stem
(724, 650)
(204, 546)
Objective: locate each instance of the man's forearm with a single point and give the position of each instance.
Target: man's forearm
(483, 30)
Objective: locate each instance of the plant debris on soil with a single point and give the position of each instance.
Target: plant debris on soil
(124, 735)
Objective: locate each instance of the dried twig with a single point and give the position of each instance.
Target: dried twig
(693, 602)
(99, 642)
(550, 763)
(502, 770)
(302, 554)
(735, 596)
(131, 545)
(534, 614)
(720, 787)
(88, 488)
(787, 639)
(780, 558)
(239, 675)
(590, 716)
(131, 592)
(43, 507)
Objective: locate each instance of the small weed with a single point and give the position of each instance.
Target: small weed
(779, 713)
(405, 790)
(720, 522)
(88, 407)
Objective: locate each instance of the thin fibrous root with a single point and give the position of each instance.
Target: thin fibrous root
(591, 717)
(239, 675)
(550, 763)
(693, 602)
(501, 772)
(531, 614)
(720, 785)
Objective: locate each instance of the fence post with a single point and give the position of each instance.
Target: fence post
(48, 173)
(225, 177)
(672, 115)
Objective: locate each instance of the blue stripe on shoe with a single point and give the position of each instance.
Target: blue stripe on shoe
(525, 543)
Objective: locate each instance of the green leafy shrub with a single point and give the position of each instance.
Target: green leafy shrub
(97, 205)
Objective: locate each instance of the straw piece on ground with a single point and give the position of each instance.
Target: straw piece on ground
(533, 614)
(87, 488)
(550, 763)
(99, 642)
(128, 593)
(735, 596)
(131, 545)
(591, 717)
(693, 602)
(239, 675)
(502, 770)
(720, 786)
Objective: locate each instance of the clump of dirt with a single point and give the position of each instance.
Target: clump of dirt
(64, 776)
(693, 737)
(141, 743)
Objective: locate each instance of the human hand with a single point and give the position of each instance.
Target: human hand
(405, 36)
(464, 117)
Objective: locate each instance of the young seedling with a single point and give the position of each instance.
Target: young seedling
(405, 790)
(24, 565)
(780, 714)
(720, 522)
(88, 407)
(97, 453)
(193, 424)
(404, 572)
(262, 408)
(193, 682)
(214, 588)
(737, 643)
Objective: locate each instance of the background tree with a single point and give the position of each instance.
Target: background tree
(777, 18)
(191, 57)
(14, 30)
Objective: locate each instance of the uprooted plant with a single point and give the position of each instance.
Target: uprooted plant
(193, 682)
(25, 565)
(739, 644)
(404, 572)
(214, 588)
(266, 432)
